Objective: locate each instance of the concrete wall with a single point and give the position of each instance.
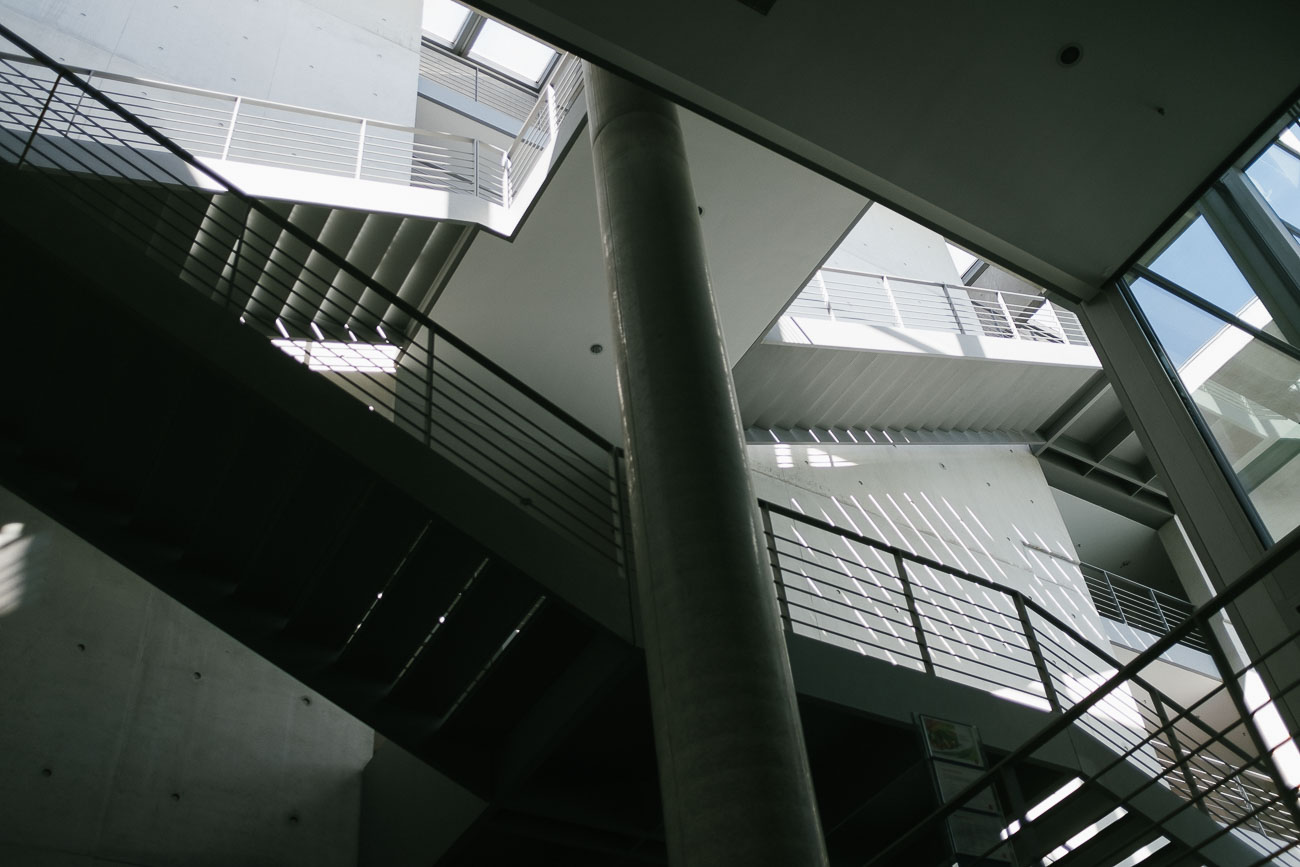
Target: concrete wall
(884, 242)
(968, 506)
(353, 58)
(134, 733)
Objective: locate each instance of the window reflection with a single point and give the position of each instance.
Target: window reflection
(1246, 389)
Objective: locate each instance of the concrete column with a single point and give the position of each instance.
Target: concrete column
(732, 764)
(1217, 525)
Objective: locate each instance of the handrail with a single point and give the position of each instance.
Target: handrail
(1282, 551)
(1164, 605)
(250, 100)
(875, 298)
(934, 565)
(280, 280)
(465, 76)
(305, 238)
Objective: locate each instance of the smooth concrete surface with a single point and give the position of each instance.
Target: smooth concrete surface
(886, 242)
(733, 768)
(410, 813)
(333, 55)
(982, 509)
(135, 733)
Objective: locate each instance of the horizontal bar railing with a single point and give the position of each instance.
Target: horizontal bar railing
(1132, 603)
(559, 96)
(106, 164)
(470, 80)
(886, 602)
(904, 302)
(219, 125)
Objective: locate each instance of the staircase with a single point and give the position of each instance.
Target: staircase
(444, 558)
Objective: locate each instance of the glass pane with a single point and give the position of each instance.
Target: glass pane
(1249, 395)
(1197, 261)
(512, 52)
(444, 19)
(1277, 174)
(1182, 328)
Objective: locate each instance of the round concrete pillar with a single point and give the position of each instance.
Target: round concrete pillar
(732, 762)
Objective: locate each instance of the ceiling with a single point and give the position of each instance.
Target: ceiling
(538, 303)
(960, 115)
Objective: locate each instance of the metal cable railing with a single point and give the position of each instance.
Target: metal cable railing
(559, 96)
(104, 163)
(217, 125)
(882, 601)
(903, 302)
(1138, 605)
(473, 81)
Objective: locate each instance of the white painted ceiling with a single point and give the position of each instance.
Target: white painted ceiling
(538, 303)
(958, 113)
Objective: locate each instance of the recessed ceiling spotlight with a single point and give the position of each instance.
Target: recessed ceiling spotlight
(1070, 55)
(597, 349)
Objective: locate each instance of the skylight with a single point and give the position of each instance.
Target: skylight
(444, 19)
(512, 52)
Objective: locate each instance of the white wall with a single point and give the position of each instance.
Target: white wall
(113, 751)
(884, 242)
(968, 506)
(348, 57)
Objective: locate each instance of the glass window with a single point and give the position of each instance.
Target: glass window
(444, 20)
(1197, 261)
(513, 52)
(1248, 393)
(1277, 174)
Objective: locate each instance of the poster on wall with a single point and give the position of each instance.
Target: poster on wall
(956, 761)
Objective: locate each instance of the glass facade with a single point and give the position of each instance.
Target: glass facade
(1219, 295)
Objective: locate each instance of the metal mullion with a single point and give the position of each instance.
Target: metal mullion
(1218, 312)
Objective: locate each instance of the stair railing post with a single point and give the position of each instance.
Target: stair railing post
(1180, 756)
(40, 118)
(893, 301)
(774, 557)
(1036, 651)
(475, 190)
(922, 645)
(952, 305)
(428, 393)
(230, 132)
(361, 151)
(1114, 597)
(1002, 303)
(1160, 611)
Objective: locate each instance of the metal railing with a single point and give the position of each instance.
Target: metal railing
(110, 172)
(224, 126)
(467, 78)
(558, 97)
(885, 602)
(1138, 605)
(903, 302)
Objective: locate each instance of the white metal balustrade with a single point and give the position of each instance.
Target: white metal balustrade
(225, 126)
(474, 82)
(904, 302)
